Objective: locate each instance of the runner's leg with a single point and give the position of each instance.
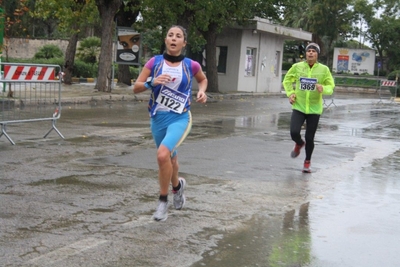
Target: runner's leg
(296, 122)
(311, 128)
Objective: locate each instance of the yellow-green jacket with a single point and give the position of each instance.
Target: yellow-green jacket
(308, 99)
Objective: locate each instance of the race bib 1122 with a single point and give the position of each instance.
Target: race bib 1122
(172, 99)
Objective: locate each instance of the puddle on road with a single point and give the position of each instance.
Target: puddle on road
(296, 238)
(387, 165)
(265, 241)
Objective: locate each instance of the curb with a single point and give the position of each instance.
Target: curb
(91, 80)
(83, 80)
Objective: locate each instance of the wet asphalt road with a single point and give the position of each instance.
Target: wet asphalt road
(88, 200)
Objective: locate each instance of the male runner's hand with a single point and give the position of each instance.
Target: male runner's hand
(292, 99)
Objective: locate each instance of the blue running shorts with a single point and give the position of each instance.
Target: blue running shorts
(170, 129)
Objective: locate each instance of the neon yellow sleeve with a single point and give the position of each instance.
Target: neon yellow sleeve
(288, 81)
(328, 83)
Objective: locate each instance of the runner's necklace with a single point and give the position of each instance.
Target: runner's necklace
(173, 59)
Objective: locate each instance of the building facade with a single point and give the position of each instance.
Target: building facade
(254, 56)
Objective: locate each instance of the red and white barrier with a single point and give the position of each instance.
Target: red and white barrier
(29, 73)
(388, 83)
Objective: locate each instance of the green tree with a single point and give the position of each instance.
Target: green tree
(383, 30)
(333, 20)
(14, 13)
(71, 16)
(21, 24)
(299, 14)
(327, 20)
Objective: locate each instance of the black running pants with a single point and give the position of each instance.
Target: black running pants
(296, 122)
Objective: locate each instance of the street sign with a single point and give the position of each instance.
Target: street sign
(379, 65)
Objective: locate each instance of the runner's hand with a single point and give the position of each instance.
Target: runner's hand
(292, 99)
(163, 79)
(201, 97)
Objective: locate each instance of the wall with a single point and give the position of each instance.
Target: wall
(248, 83)
(270, 63)
(228, 82)
(27, 48)
(268, 60)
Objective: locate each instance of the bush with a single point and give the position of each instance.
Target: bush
(392, 76)
(381, 73)
(89, 50)
(134, 72)
(286, 65)
(84, 70)
(49, 51)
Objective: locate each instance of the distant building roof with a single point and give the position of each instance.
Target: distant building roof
(265, 25)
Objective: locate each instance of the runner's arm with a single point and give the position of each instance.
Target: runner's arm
(288, 81)
(139, 87)
(328, 83)
(202, 83)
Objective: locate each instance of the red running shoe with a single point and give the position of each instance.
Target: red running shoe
(307, 166)
(296, 150)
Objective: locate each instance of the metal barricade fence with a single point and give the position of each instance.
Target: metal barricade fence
(329, 100)
(387, 90)
(30, 93)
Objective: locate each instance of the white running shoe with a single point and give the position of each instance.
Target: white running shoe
(179, 197)
(161, 213)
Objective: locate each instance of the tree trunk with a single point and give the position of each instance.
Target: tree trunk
(183, 20)
(211, 58)
(328, 55)
(70, 58)
(107, 10)
(124, 74)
